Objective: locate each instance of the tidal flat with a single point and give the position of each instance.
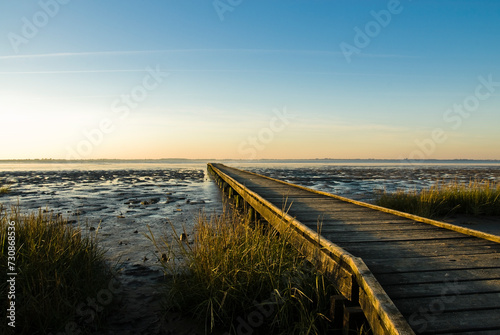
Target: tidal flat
(122, 206)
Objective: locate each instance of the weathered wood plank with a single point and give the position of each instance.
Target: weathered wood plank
(422, 246)
(344, 217)
(454, 242)
(446, 288)
(358, 221)
(368, 254)
(405, 249)
(457, 303)
(327, 227)
(396, 265)
(428, 232)
(440, 276)
(456, 322)
(381, 238)
(475, 332)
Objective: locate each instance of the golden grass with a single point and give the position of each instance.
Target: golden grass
(57, 268)
(441, 199)
(234, 268)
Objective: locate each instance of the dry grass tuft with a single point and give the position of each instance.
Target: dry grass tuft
(474, 198)
(57, 268)
(234, 268)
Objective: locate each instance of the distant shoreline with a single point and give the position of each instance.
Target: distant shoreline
(316, 160)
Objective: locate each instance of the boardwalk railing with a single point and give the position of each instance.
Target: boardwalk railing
(355, 281)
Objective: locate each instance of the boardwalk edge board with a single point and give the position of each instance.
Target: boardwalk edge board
(355, 280)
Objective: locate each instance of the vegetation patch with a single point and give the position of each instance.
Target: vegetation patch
(442, 199)
(243, 277)
(58, 269)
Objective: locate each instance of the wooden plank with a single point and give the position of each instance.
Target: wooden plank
(422, 246)
(445, 288)
(426, 231)
(385, 236)
(457, 303)
(344, 217)
(405, 249)
(312, 205)
(285, 193)
(438, 276)
(463, 240)
(328, 227)
(456, 322)
(395, 253)
(476, 332)
(386, 242)
(367, 237)
(396, 265)
(360, 221)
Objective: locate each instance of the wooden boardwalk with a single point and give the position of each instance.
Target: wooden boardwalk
(407, 274)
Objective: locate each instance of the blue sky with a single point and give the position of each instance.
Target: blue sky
(249, 79)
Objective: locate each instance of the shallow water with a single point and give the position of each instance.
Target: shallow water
(122, 204)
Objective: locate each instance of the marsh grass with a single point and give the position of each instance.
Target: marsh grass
(235, 268)
(57, 268)
(4, 189)
(442, 199)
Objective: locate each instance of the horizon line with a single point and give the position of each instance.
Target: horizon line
(243, 159)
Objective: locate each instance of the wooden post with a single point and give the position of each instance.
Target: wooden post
(337, 304)
(251, 213)
(354, 301)
(353, 319)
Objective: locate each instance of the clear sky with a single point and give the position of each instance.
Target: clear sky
(250, 79)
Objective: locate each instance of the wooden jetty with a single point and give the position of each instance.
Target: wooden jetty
(404, 273)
